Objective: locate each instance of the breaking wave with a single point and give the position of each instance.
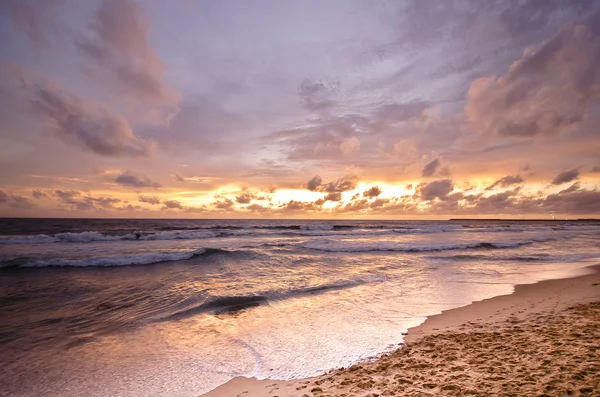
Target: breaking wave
(86, 237)
(107, 261)
(236, 303)
(351, 246)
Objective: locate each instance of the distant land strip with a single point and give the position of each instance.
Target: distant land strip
(525, 220)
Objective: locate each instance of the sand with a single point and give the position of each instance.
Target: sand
(542, 340)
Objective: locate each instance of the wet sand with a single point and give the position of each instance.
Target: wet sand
(542, 340)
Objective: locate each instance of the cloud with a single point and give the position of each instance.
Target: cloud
(547, 91)
(74, 201)
(257, 208)
(172, 204)
(436, 189)
(179, 178)
(223, 203)
(299, 206)
(506, 181)
(245, 198)
(372, 192)
(120, 47)
(38, 194)
(26, 18)
(270, 168)
(571, 189)
(314, 183)
(76, 123)
(15, 201)
(323, 138)
(379, 203)
(342, 184)
(132, 179)
(565, 176)
(349, 146)
(315, 95)
(573, 202)
(596, 168)
(152, 200)
(430, 168)
(66, 195)
(337, 196)
(397, 112)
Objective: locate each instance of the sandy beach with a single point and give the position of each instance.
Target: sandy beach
(541, 340)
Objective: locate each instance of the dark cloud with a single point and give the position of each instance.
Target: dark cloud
(66, 195)
(565, 176)
(245, 198)
(528, 16)
(130, 208)
(314, 183)
(172, 204)
(298, 206)
(342, 184)
(179, 178)
(436, 189)
(337, 196)
(506, 181)
(74, 200)
(571, 189)
(257, 208)
(324, 138)
(15, 201)
(24, 15)
(596, 169)
(372, 192)
(38, 194)
(202, 125)
(547, 91)
(97, 131)
(315, 95)
(132, 179)
(396, 112)
(152, 200)
(379, 203)
(270, 168)
(223, 203)
(430, 168)
(354, 206)
(120, 46)
(577, 201)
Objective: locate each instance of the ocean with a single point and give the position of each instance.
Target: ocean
(95, 307)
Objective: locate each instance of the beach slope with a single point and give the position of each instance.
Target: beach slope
(540, 340)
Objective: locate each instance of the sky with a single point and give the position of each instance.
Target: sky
(300, 109)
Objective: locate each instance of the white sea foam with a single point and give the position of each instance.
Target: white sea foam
(107, 261)
(316, 227)
(353, 246)
(86, 237)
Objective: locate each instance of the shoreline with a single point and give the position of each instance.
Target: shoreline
(526, 302)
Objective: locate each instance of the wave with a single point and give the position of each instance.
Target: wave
(86, 237)
(343, 246)
(311, 230)
(517, 258)
(236, 303)
(108, 261)
(221, 305)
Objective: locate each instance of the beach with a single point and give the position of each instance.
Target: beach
(541, 340)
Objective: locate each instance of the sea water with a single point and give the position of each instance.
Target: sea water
(178, 307)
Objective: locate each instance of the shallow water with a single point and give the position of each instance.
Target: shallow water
(160, 307)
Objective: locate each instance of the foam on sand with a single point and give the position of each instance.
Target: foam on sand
(540, 340)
